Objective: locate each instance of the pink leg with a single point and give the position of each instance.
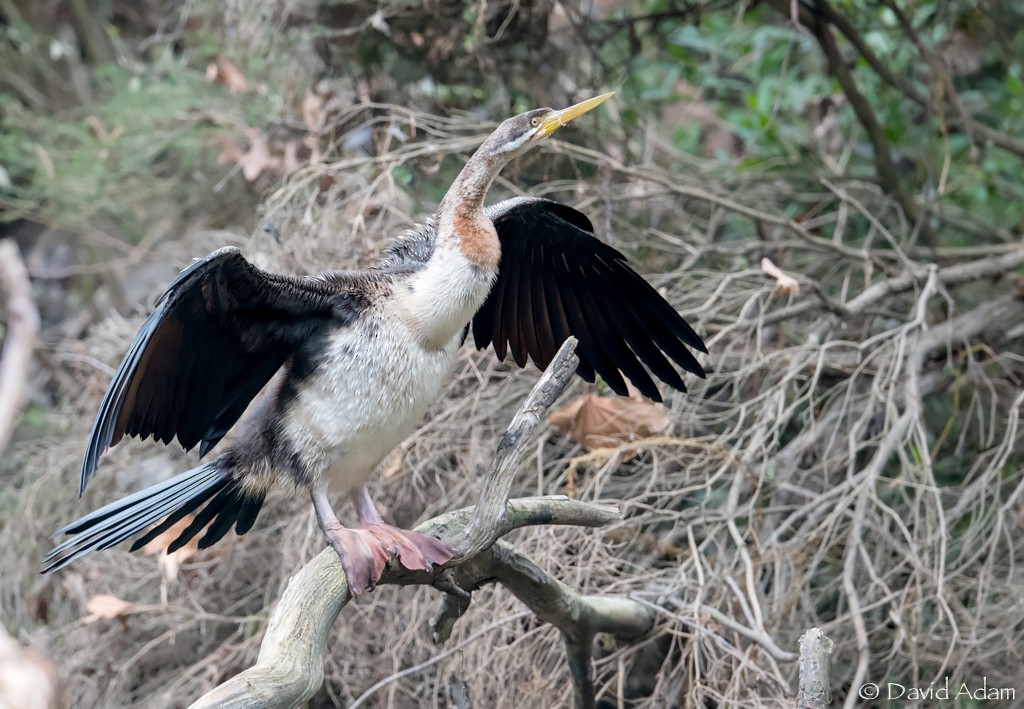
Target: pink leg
(366, 550)
(366, 511)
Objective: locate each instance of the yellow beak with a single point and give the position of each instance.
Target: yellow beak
(556, 119)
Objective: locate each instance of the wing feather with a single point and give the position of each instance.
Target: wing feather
(527, 326)
(505, 306)
(610, 334)
(543, 331)
(215, 339)
(557, 312)
(581, 323)
(556, 279)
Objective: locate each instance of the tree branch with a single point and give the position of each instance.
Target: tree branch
(289, 669)
(885, 168)
(815, 660)
(995, 316)
(579, 618)
(968, 123)
(949, 276)
(482, 531)
(22, 327)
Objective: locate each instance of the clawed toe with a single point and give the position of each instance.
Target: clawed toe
(362, 557)
(366, 551)
(419, 552)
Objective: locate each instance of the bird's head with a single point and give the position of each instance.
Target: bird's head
(520, 133)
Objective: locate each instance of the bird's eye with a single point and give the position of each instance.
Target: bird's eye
(534, 122)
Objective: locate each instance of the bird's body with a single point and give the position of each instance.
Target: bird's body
(374, 382)
(349, 362)
(348, 400)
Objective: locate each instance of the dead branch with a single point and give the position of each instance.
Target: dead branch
(289, 669)
(481, 532)
(995, 316)
(815, 659)
(957, 274)
(579, 618)
(22, 327)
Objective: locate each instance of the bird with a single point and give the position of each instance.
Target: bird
(318, 378)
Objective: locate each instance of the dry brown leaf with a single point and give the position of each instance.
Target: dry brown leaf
(784, 283)
(254, 161)
(103, 606)
(325, 183)
(609, 421)
(258, 158)
(223, 71)
(314, 105)
(170, 563)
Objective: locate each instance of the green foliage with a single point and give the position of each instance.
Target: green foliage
(766, 82)
(146, 146)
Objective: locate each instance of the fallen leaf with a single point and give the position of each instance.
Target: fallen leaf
(784, 283)
(254, 161)
(609, 421)
(105, 607)
(258, 158)
(171, 563)
(325, 183)
(314, 105)
(223, 71)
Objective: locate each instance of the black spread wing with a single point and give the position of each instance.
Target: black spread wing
(217, 336)
(557, 279)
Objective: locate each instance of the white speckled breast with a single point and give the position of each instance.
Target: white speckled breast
(378, 377)
(372, 388)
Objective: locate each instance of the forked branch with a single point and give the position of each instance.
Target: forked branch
(289, 669)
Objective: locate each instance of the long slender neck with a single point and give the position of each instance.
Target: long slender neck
(461, 224)
(442, 297)
(466, 195)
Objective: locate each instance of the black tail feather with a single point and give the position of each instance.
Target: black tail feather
(216, 507)
(172, 519)
(104, 527)
(225, 505)
(247, 514)
(220, 526)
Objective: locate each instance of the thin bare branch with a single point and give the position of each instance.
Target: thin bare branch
(490, 508)
(22, 327)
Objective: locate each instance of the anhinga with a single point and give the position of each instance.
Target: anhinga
(351, 360)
